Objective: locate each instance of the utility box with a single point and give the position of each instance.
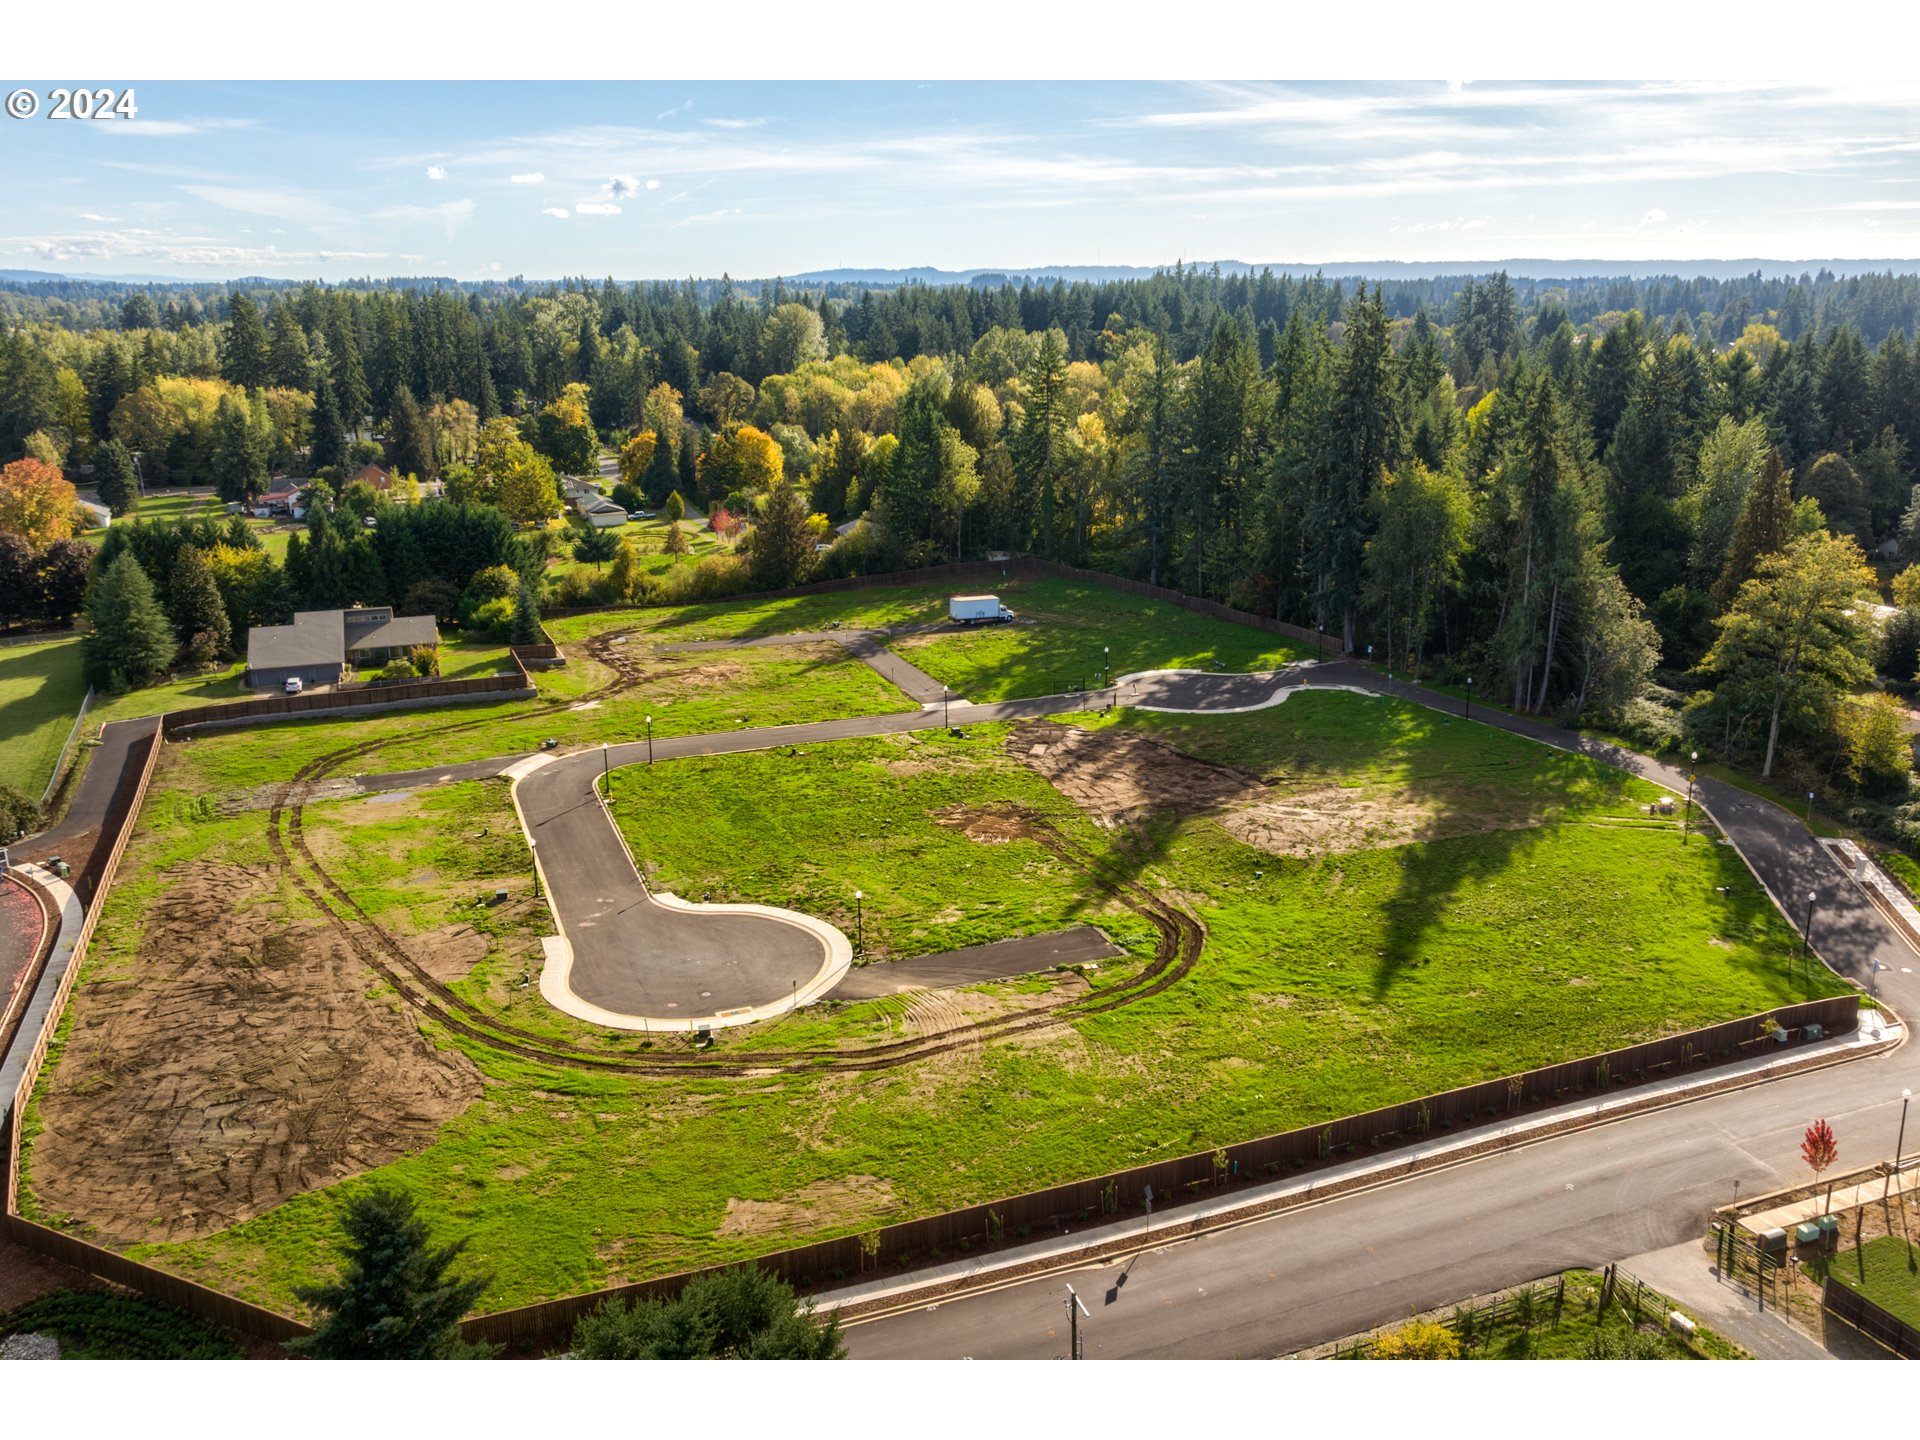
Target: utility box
(1772, 1242)
(1680, 1324)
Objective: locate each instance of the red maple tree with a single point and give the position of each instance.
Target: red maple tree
(1819, 1149)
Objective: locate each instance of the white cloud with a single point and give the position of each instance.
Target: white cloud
(706, 219)
(532, 177)
(100, 219)
(619, 187)
(170, 248)
(1651, 219)
(596, 207)
(193, 125)
(436, 172)
(683, 105)
(557, 212)
(653, 184)
(297, 207)
(744, 123)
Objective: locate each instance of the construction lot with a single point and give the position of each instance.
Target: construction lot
(1318, 907)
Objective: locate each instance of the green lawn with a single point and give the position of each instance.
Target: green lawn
(40, 694)
(1887, 1272)
(1072, 636)
(1329, 984)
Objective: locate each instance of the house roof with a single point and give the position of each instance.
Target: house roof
(401, 630)
(274, 647)
(374, 476)
(601, 506)
(319, 637)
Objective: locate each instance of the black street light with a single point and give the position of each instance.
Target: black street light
(649, 740)
(1687, 819)
(1106, 663)
(1809, 809)
(943, 708)
(859, 924)
(1806, 931)
(1469, 714)
(606, 769)
(1899, 1145)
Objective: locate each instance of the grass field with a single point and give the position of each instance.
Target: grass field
(40, 694)
(1887, 1272)
(1330, 982)
(1072, 636)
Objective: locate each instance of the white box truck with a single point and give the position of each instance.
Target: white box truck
(977, 610)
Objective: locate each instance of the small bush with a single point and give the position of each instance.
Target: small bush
(1418, 1340)
(103, 1325)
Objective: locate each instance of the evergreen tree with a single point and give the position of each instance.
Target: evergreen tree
(782, 547)
(239, 454)
(131, 643)
(675, 509)
(329, 445)
(200, 621)
(661, 473)
(114, 478)
(1039, 441)
(1764, 528)
(409, 445)
(396, 1298)
(741, 1314)
(526, 614)
(689, 466)
(1361, 444)
(243, 352)
(289, 359)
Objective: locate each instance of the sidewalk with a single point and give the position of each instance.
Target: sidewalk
(1098, 1240)
(14, 1063)
(1685, 1274)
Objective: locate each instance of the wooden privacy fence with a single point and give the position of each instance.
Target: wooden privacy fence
(985, 572)
(1869, 1319)
(1188, 1178)
(276, 707)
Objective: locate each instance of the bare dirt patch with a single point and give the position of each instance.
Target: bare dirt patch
(995, 826)
(449, 952)
(1319, 819)
(823, 1203)
(244, 1064)
(1117, 778)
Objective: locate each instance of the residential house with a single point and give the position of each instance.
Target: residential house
(320, 645)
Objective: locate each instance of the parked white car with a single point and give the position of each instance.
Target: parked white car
(293, 686)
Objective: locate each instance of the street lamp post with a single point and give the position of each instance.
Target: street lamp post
(649, 740)
(1686, 820)
(606, 768)
(1806, 930)
(1075, 1309)
(1106, 663)
(859, 924)
(1469, 714)
(1899, 1145)
(943, 708)
(1809, 809)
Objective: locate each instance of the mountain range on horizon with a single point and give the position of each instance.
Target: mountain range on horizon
(1529, 268)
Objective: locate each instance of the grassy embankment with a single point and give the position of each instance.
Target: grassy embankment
(40, 693)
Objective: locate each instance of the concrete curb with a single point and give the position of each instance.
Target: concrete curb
(875, 1299)
(556, 974)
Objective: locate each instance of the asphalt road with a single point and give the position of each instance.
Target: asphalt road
(74, 835)
(999, 960)
(1308, 1276)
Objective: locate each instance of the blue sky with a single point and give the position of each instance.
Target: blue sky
(675, 178)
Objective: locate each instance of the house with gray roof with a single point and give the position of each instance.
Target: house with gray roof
(320, 645)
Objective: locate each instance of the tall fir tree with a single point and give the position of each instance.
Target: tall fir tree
(243, 350)
(200, 621)
(130, 644)
(114, 479)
